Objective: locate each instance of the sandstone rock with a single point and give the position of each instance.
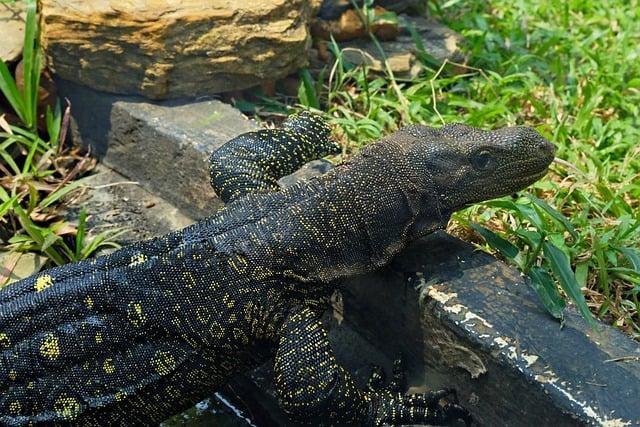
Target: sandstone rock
(12, 29)
(166, 49)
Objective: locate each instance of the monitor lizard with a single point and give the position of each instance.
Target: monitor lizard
(148, 330)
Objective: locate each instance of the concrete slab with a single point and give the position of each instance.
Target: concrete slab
(166, 146)
(115, 202)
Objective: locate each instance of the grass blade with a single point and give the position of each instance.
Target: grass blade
(525, 211)
(546, 289)
(30, 62)
(309, 89)
(36, 235)
(6, 205)
(555, 215)
(80, 233)
(559, 264)
(60, 193)
(10, 91)
(496, 242)
(632, 255)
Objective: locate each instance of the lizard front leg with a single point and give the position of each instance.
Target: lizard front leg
(311, 384)
(255, 161)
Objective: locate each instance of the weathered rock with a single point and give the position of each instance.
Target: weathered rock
(475, 323)
(165, 49)
(114, 202)
(12, 18)
(439, 41)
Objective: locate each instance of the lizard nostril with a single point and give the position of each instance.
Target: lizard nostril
(545, 146)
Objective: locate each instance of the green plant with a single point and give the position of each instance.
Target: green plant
(25, 102)
(37, 172)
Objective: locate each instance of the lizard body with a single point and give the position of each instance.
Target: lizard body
(138, 335)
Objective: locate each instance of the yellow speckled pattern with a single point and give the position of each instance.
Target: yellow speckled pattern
(254, 161)
(147, 331)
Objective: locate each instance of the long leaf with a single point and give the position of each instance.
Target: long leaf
(30, 62)
(34, 232)
(28, 162)
(4, 196)
(555, 215)
(54, 122)
(309, 89)
(632, 255)
(104, 239)
(525, 211)
(10, 90)
(546, 289)
(505, 247)
(9, 160)
(61, 192)
(561, 268)
(6, 205)
(80, 233)
(49, 240)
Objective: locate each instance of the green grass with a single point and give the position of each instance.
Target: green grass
(571, 70)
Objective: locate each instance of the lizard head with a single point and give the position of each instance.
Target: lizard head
(468, 165)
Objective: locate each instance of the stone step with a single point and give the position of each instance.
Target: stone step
(461, 318)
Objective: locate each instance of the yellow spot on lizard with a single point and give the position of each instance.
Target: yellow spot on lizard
(49, 347)
(120, 396)
(216, 330)
(5, 342)
(108, 366)
(15, 407)
(202, 314)
(99, 338)
(228, 301)
(163, 362)
(67, 407)
(137, 259)
(135, 314)
(239, 264)
(43, 282)
(188, 279)
(13, 375)
(89, 301)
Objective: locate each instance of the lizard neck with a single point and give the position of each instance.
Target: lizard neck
(354, 219)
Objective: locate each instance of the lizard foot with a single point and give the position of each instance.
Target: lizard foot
(439, 407)
(377, 378)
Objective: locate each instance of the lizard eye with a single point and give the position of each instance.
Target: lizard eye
(482, 160)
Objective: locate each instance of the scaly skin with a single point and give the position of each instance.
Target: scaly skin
(145, 332)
